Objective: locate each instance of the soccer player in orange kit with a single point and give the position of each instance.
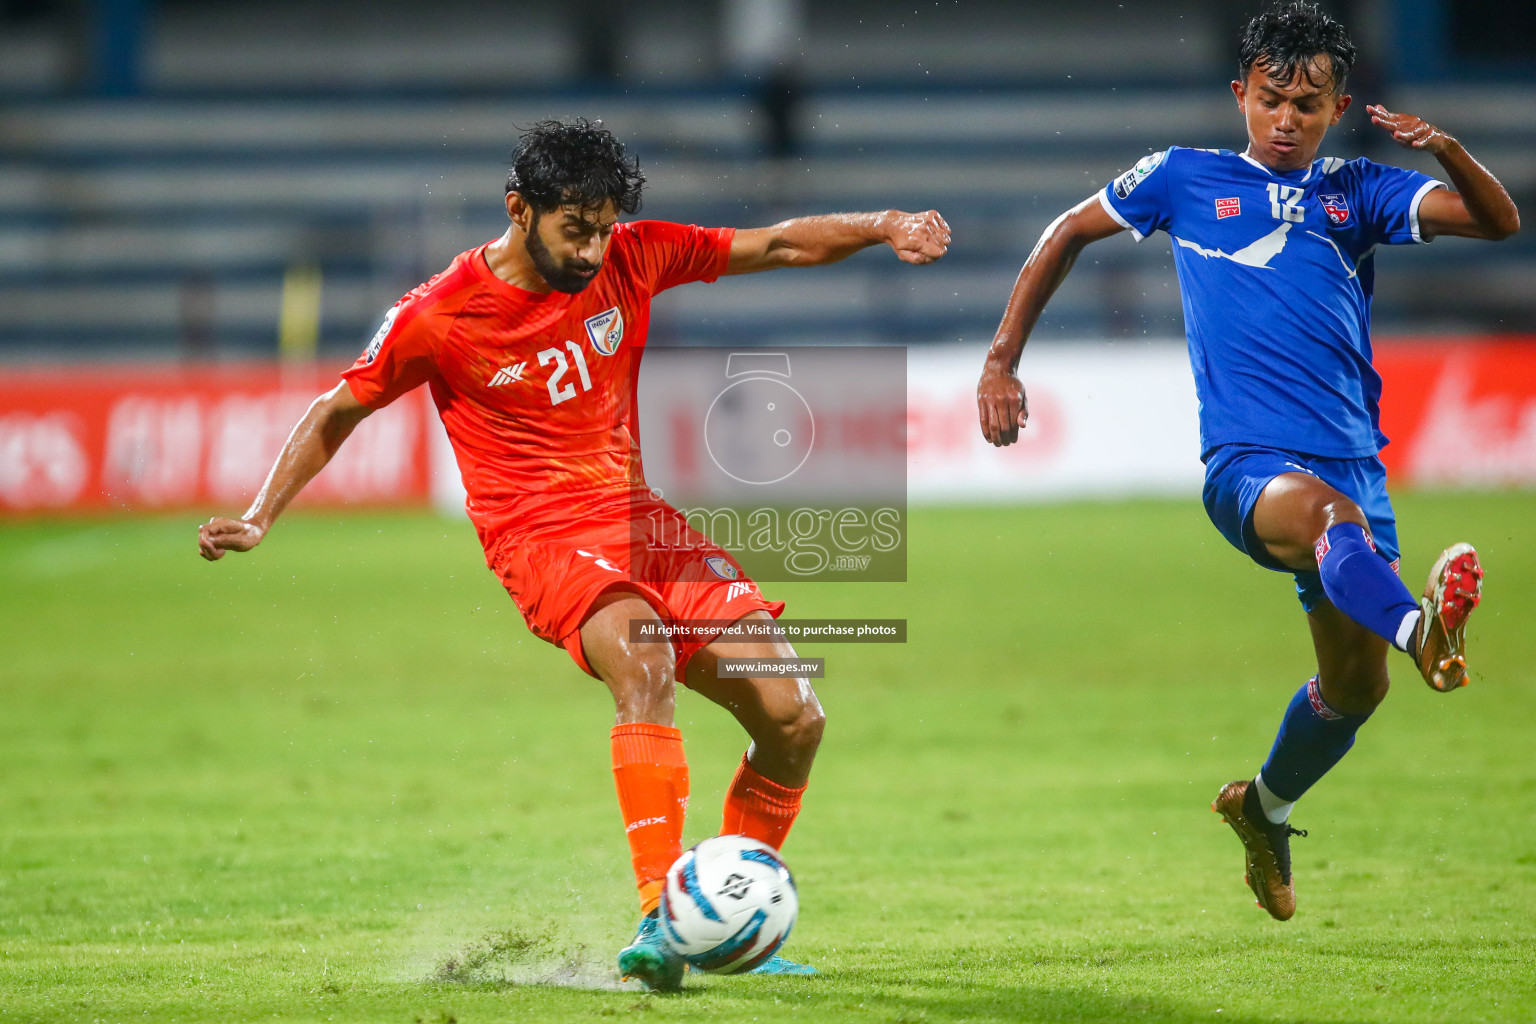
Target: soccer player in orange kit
(531, 345)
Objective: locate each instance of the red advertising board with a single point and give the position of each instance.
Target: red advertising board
(1460, 414)
(126, 437)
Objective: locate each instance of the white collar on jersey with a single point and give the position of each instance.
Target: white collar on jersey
(1329, 165)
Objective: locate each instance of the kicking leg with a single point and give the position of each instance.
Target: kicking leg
(785, 722)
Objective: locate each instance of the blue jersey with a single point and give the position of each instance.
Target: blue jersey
(1275, 271)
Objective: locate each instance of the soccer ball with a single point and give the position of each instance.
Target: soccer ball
(729, 904)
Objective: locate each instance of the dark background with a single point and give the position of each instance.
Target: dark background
(174, 175)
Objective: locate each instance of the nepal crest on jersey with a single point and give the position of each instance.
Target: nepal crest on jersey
(1337, 207)
(606, 330)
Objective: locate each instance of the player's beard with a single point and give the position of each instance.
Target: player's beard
(562, 277)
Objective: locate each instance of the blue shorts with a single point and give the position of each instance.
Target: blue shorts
(1236, 474)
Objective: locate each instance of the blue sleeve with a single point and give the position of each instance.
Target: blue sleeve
(1139, 199)
(1388, 198)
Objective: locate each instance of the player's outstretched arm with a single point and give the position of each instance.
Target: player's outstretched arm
(812, 241)
(1479, 208)
(1000, 400)
(317, 437)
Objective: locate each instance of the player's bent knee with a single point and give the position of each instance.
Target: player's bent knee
(1356, 689)
(1337, 509)
(802, 733)
(643, 685)
(809, 727)
(1371, 687)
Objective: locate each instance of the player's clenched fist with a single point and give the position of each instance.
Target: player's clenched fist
(1410, 131)
(918, 237)
(220, 534)
(1002, 406)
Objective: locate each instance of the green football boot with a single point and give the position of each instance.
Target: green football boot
(648, 958)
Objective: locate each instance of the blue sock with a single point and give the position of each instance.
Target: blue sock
(1312, 739)
(1361, 584)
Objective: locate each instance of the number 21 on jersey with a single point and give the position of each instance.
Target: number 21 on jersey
(557, 392)
(1282, 203)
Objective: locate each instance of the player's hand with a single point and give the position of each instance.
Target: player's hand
(918, 237)
(219, 535)
(1002, 406)
(1409, 131)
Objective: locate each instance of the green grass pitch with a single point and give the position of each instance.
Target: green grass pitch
(338, 780)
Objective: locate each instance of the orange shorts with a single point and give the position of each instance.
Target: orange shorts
(555, 569)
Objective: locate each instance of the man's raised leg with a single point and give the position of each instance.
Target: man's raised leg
(1298, 511)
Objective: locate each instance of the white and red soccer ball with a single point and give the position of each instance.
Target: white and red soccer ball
(729, 904)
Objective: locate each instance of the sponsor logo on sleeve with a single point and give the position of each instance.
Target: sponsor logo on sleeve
(1337, 207)
(606, 330)
(1228, 207)
(377, 342)
(1128, 181)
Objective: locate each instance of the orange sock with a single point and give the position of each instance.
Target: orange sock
(652, 777)
(758, 807)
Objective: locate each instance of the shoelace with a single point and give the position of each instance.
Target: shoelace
(1282, 850)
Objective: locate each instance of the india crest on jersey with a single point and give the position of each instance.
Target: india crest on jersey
(722, 567)
(606, 330)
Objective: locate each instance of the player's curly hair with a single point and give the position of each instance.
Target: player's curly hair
(576, 162)
(1283, 38)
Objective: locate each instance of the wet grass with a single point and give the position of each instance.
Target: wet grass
(337, 780)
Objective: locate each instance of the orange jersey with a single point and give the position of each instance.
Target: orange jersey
(537, 391)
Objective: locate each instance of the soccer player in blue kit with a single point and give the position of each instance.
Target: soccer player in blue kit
(1274, 250)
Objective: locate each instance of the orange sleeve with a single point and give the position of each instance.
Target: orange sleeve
(401, 356)
(674, 254)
